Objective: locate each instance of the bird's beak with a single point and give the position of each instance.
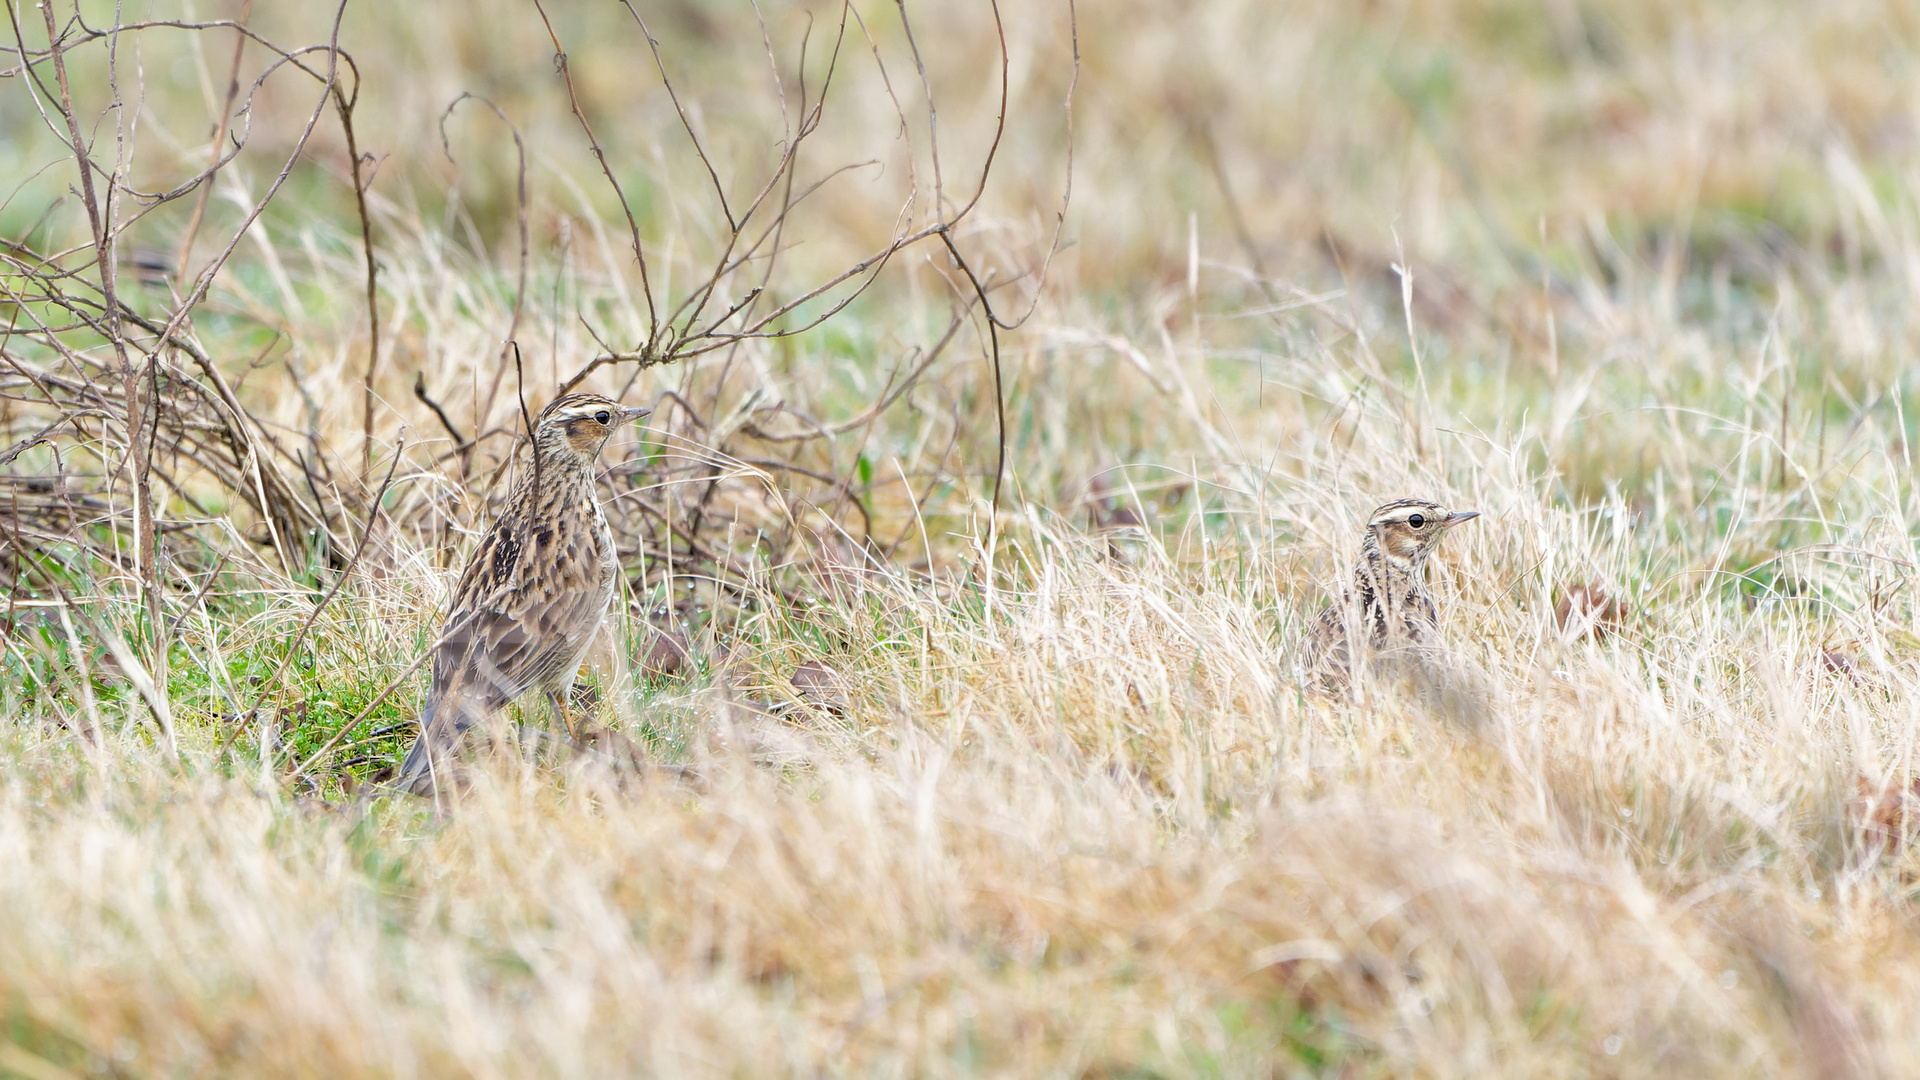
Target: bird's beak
(634, 414)
(1459, 516)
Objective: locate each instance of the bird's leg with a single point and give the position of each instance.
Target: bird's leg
(560, 710)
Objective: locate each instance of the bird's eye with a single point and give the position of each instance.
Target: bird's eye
(602, 417)
(1417, 521)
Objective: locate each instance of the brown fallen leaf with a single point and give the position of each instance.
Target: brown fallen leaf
(619, 750)
(820, 686)
(731, 666)
(1888, 814)
(1588, 610)
(667, 653)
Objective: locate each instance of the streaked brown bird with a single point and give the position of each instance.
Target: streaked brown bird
(534, 593)
(1387, 602)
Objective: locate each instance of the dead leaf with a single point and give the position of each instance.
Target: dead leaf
(1588, 610)
(821, 687)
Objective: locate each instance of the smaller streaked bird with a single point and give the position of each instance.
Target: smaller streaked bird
(1387, 603)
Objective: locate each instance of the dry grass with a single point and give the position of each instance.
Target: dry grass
(1049, 801)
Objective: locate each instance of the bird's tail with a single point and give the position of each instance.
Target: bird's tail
(441, 725)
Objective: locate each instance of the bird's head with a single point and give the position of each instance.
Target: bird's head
(1407, 530)
(578, 425)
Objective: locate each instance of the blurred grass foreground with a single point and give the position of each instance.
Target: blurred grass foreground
(1021, 379)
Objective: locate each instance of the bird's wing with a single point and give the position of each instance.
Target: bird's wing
(510, 630)
(483, 646)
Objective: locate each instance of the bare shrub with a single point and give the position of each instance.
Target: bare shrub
(137, 456)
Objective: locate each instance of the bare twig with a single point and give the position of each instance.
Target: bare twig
(633, 227)
(219, 138)
(420, 391)
(520, 203)
(520, 389)
(99, 218)
(345, 104)
(933, 115)
(719, 189)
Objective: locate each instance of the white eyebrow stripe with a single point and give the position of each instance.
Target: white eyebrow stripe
(1401, 514)
(577, 412)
